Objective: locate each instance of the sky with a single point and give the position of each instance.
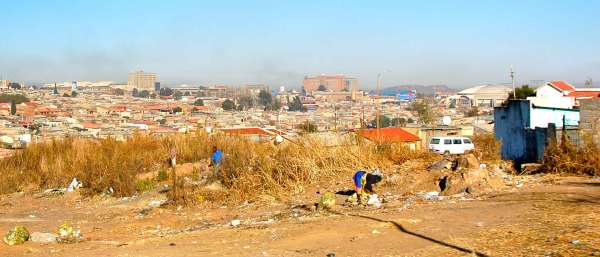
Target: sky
(456, 43)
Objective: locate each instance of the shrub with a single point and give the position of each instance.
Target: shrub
(487, 148)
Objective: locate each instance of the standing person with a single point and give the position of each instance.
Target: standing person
(215, 160)
(363, 183)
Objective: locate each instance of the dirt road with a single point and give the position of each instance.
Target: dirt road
(557, 219)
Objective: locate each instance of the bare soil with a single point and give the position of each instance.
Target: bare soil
(539, 217)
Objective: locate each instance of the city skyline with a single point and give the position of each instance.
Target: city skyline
(459, 44)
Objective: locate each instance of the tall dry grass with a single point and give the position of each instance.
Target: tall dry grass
(570, 159)
(487, 148)
(249, 168)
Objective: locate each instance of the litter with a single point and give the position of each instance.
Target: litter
(235, 223)
(430, 196)
(374, 200)
(74, 185)
(16, 236)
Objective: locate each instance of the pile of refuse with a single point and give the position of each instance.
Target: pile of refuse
(465, 174)
(67, 234)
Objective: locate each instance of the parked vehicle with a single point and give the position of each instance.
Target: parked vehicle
(450, 145)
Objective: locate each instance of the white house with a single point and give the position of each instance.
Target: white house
(554, 94)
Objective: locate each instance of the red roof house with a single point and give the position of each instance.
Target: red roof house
(389, 135)
(561, 85)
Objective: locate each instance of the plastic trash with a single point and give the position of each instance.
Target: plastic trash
(16, 236)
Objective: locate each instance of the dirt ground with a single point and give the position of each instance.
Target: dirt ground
(555, 217)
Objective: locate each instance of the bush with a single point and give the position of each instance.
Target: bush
(487, 148)
(569, 159)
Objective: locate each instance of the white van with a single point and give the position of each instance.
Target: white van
(450, 145)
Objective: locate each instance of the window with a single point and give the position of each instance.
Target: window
(435, 141)
(467, 141)
(457, 141)
(447, 141)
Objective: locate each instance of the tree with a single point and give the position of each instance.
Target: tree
(14, 85)
(66, 95)
(322, 88)
(177, 95)
(165, 91)
(177, 109)
(399, 122)
(119, 91)
(153, 95)
(74, 93)
(144, 94)
(410, 120)
(384, 121)
(275, 106)
(17, 98)
(522, 92)
(423, 111)
(228, 105)
(13, 107)
(245, 102)
(134, 93)
(296, 105)
(265, 98)
(307, 127)
(199, 102)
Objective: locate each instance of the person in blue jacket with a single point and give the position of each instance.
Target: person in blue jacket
(364, 181)
(215, 160)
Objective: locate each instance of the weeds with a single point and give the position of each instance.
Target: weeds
(487, 148)
(567, 158)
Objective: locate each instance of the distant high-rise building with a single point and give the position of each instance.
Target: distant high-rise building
(4, 84)
(335, 83)
(141, 80)
(157, 86)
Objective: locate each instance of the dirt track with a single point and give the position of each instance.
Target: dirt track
(559, 219)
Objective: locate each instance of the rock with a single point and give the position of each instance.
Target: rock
(375, 231)
(440, 165)
(43, 238)
(327, 201)
(235, 223)
(16, 236)
(529, 168)
(430, 196)
(67, 234)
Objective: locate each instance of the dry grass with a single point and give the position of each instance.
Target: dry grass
(567, 158)
(250, 169)
(487, 148)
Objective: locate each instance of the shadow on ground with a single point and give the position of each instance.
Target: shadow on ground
(400, 228)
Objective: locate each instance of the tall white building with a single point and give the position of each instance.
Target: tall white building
(141, 80)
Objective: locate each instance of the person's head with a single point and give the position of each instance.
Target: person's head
(214, 149)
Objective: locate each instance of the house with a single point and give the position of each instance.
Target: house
(391, 135)
(525, 129)
(484, 95)
(561, 94)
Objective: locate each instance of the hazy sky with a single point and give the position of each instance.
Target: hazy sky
(458, 43)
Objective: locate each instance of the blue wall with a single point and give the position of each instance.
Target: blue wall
(510, 126)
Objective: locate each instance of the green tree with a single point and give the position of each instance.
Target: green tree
(119, 91)
(265, 98)
(177, 95)
(199, 102)
(522, 92)
(423, 111)
(399, 122)
(74, 93)
(296, 105)
(275, 106)
(144, 94)
(307, 127)
(177, 109)
(410, 121)
(245, 102)
(322, 88)
(13, 107)
(384, 121)
(228, 105)
(18, 98)
(165, 91)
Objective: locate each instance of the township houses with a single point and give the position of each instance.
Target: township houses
(254, 133)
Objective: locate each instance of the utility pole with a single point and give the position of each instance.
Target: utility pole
(512, 77)
(377, 104)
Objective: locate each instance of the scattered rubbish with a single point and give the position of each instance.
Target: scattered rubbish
(529, 168)
(353, 199)
(430, 196)
(156, 203)
(327, 201)
(67, 234)
(43, 238)
(407, 203)
(374, 200)
(375, 231)
(330, 255)
(575, 242)
(440, 165)
(482, 166)
(479, 224)
(75, 184)
(235, 223)
(16, 236)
